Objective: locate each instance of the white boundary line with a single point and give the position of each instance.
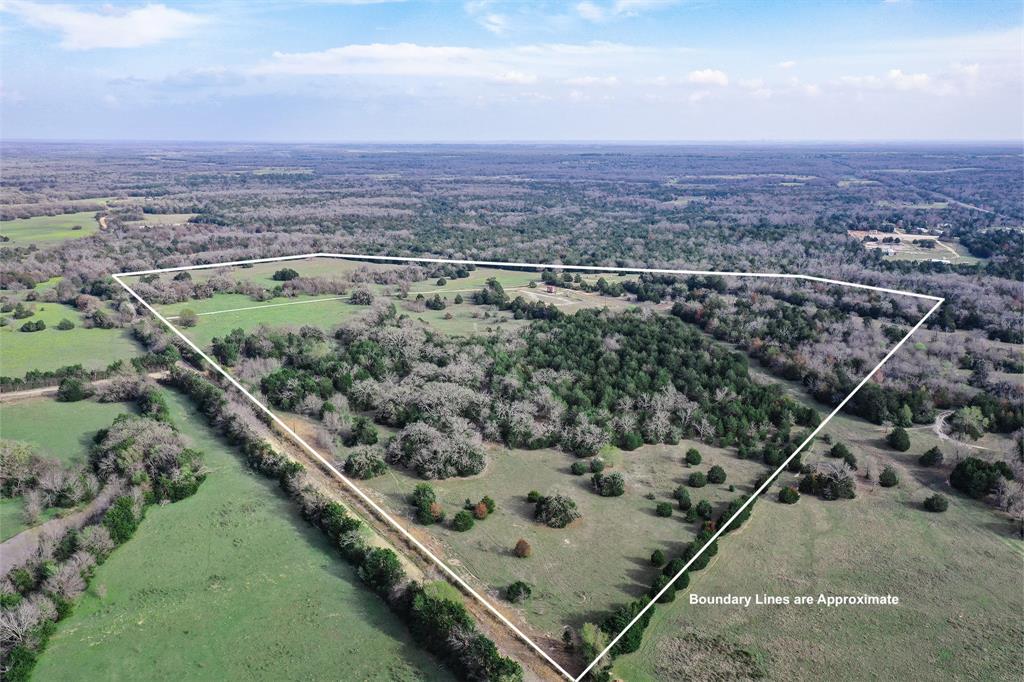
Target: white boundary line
(258, 307)
(938, 301)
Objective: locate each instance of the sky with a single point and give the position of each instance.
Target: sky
(488, 70)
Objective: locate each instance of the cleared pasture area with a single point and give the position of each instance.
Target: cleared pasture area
(230, 584)
(63, 431)
(577, 573)
(47, 229)
(52, 348)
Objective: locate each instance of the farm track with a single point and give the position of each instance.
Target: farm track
(44, 391)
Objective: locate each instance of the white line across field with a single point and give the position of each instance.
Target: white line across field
(937, 301)
(257, 307)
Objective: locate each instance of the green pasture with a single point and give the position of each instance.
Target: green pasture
(60, 430)
(230, 584)
(52, 348)
(46, 229)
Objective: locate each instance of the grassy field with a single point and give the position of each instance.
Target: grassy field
(230, 584)
(52, 348)
(46, 229)
(580, 572)
(60, 430)
(163, 219)
(957, 575)
(11, 520)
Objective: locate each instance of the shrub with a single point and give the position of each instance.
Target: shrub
(597, 465)
(73, 389)
(936, 503)
(611, 485)
(839, 451)
(518, 592)
(697, 480)
(120, 520)
(789, 495)
(65, 325)
(716, 475)
(381, 570)
(188, 318)
(664, 509)
(284, 275)
(462, 521)
(691, 515)
(683, 496)
(363, 432)
(659, 583)
(830, 483)
(424, 500)
(36, 326)
(556, 511)
(441, 281)
(931, 458)
(673, 567)
(522, 549)
(977, 478)
(888, 477)
(851, 461)
(693, 457)
(533, 497)
(630, 440)
(657, 558)
(578, 468)
(361, 297)
(480, 511)
(704, 509)
(898, 439)
(365, 464)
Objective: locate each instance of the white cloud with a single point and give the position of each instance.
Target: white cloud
(909, 81)
(525, 63)
(590, 11)
(788, 64)
(495, 23)
(709, 77)
(698, 96)
(592, 80)
(110, 27)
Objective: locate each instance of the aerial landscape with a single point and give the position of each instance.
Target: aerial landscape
(524, 341)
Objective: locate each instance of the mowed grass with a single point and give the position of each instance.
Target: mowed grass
(957, 575)
(602, 560)
(60, 430)
(230, 584)
(52, 348)
(47, 229)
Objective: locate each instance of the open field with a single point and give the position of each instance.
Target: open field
(48, 229)
(229, 584)
(60, 430)
(12, 521)
(52, 348)
(163, 219)
(947, 569)
(601, 560)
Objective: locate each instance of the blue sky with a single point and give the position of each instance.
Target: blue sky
(486, 70)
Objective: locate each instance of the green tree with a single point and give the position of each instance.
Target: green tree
(899, 439)
(969, 422)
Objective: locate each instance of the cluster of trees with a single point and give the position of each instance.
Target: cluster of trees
(829, 481)
(554, 511)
